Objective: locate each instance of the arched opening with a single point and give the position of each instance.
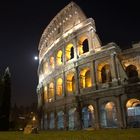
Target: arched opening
(85, 78)
(45, 67)
(72, 118)
(133, 112)
(83, 45)
(60, 118)
(52, 120)
(106, 74)
(132, 73)
(59, 87)
(108, 115)
(52, 62)
(59, 57)
(88, 118)
(45, 94)
(69, 52)
(70, 83)
(51, 92)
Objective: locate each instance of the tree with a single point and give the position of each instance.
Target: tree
(5, 100)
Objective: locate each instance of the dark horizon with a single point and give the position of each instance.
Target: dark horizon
(22, 24)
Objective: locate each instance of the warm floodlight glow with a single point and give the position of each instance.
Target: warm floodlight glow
(34, 118)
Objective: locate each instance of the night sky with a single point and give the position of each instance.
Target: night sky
(23, 21)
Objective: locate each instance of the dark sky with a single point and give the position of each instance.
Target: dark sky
(23, 21)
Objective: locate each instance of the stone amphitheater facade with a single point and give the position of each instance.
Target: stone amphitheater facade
(83, 84)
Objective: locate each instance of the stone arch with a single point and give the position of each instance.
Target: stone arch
(133, 112)
(51, 91)
(69, 52)
(59, 87)
(72, 118)
(108, 115)
(83, 45)
(45, 67)
(85, 78)
(132, 73)
(52, 120)
(60, 120)
(52, 62)
(59, 57)
(45, 90)
(70, 83)
(88, 117)
(104, 73)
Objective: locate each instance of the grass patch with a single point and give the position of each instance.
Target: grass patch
(108, 134)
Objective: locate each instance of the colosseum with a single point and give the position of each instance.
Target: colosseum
(82, 84)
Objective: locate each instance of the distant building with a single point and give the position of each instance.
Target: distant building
(83, 84)
(5, 98)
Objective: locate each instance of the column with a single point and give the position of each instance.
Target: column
(93, 75)
(55, 89)
(119, 112)
(75, 48)
(55, 119)
(48, 120)
(64, 55)
(90, 40)
(97, 115)
(114, 73)
(64, 85)
(78, 114)
(65, 118)
(77, 85)
(43, 107)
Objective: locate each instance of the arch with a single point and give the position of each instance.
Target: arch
(45, 67)
(60, 120)
(59, 87)
(69, 52)
(52, 62)
(70, 82)
(88, 117)
(51, 91)
(51, 120)
(132, 73)
(45, 94)
(85, 78)
(108, 115)
(104, 73)
(133, 112)
(72, 118)
(59, 57)
(83, 46)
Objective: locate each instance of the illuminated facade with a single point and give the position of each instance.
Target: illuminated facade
(83, 84)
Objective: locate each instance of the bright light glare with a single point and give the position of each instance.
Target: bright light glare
(35, 58)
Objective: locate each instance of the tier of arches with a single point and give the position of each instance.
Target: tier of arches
(108, 116)
(54, 90)
(65, 55)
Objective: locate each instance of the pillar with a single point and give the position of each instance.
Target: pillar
(55, 89)
(55, 119)
(75, 48)
(119, 112)
(77, 85)
(93, 75)
(64, 85)
(90, 40)
(97, 115)
(114, 73)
